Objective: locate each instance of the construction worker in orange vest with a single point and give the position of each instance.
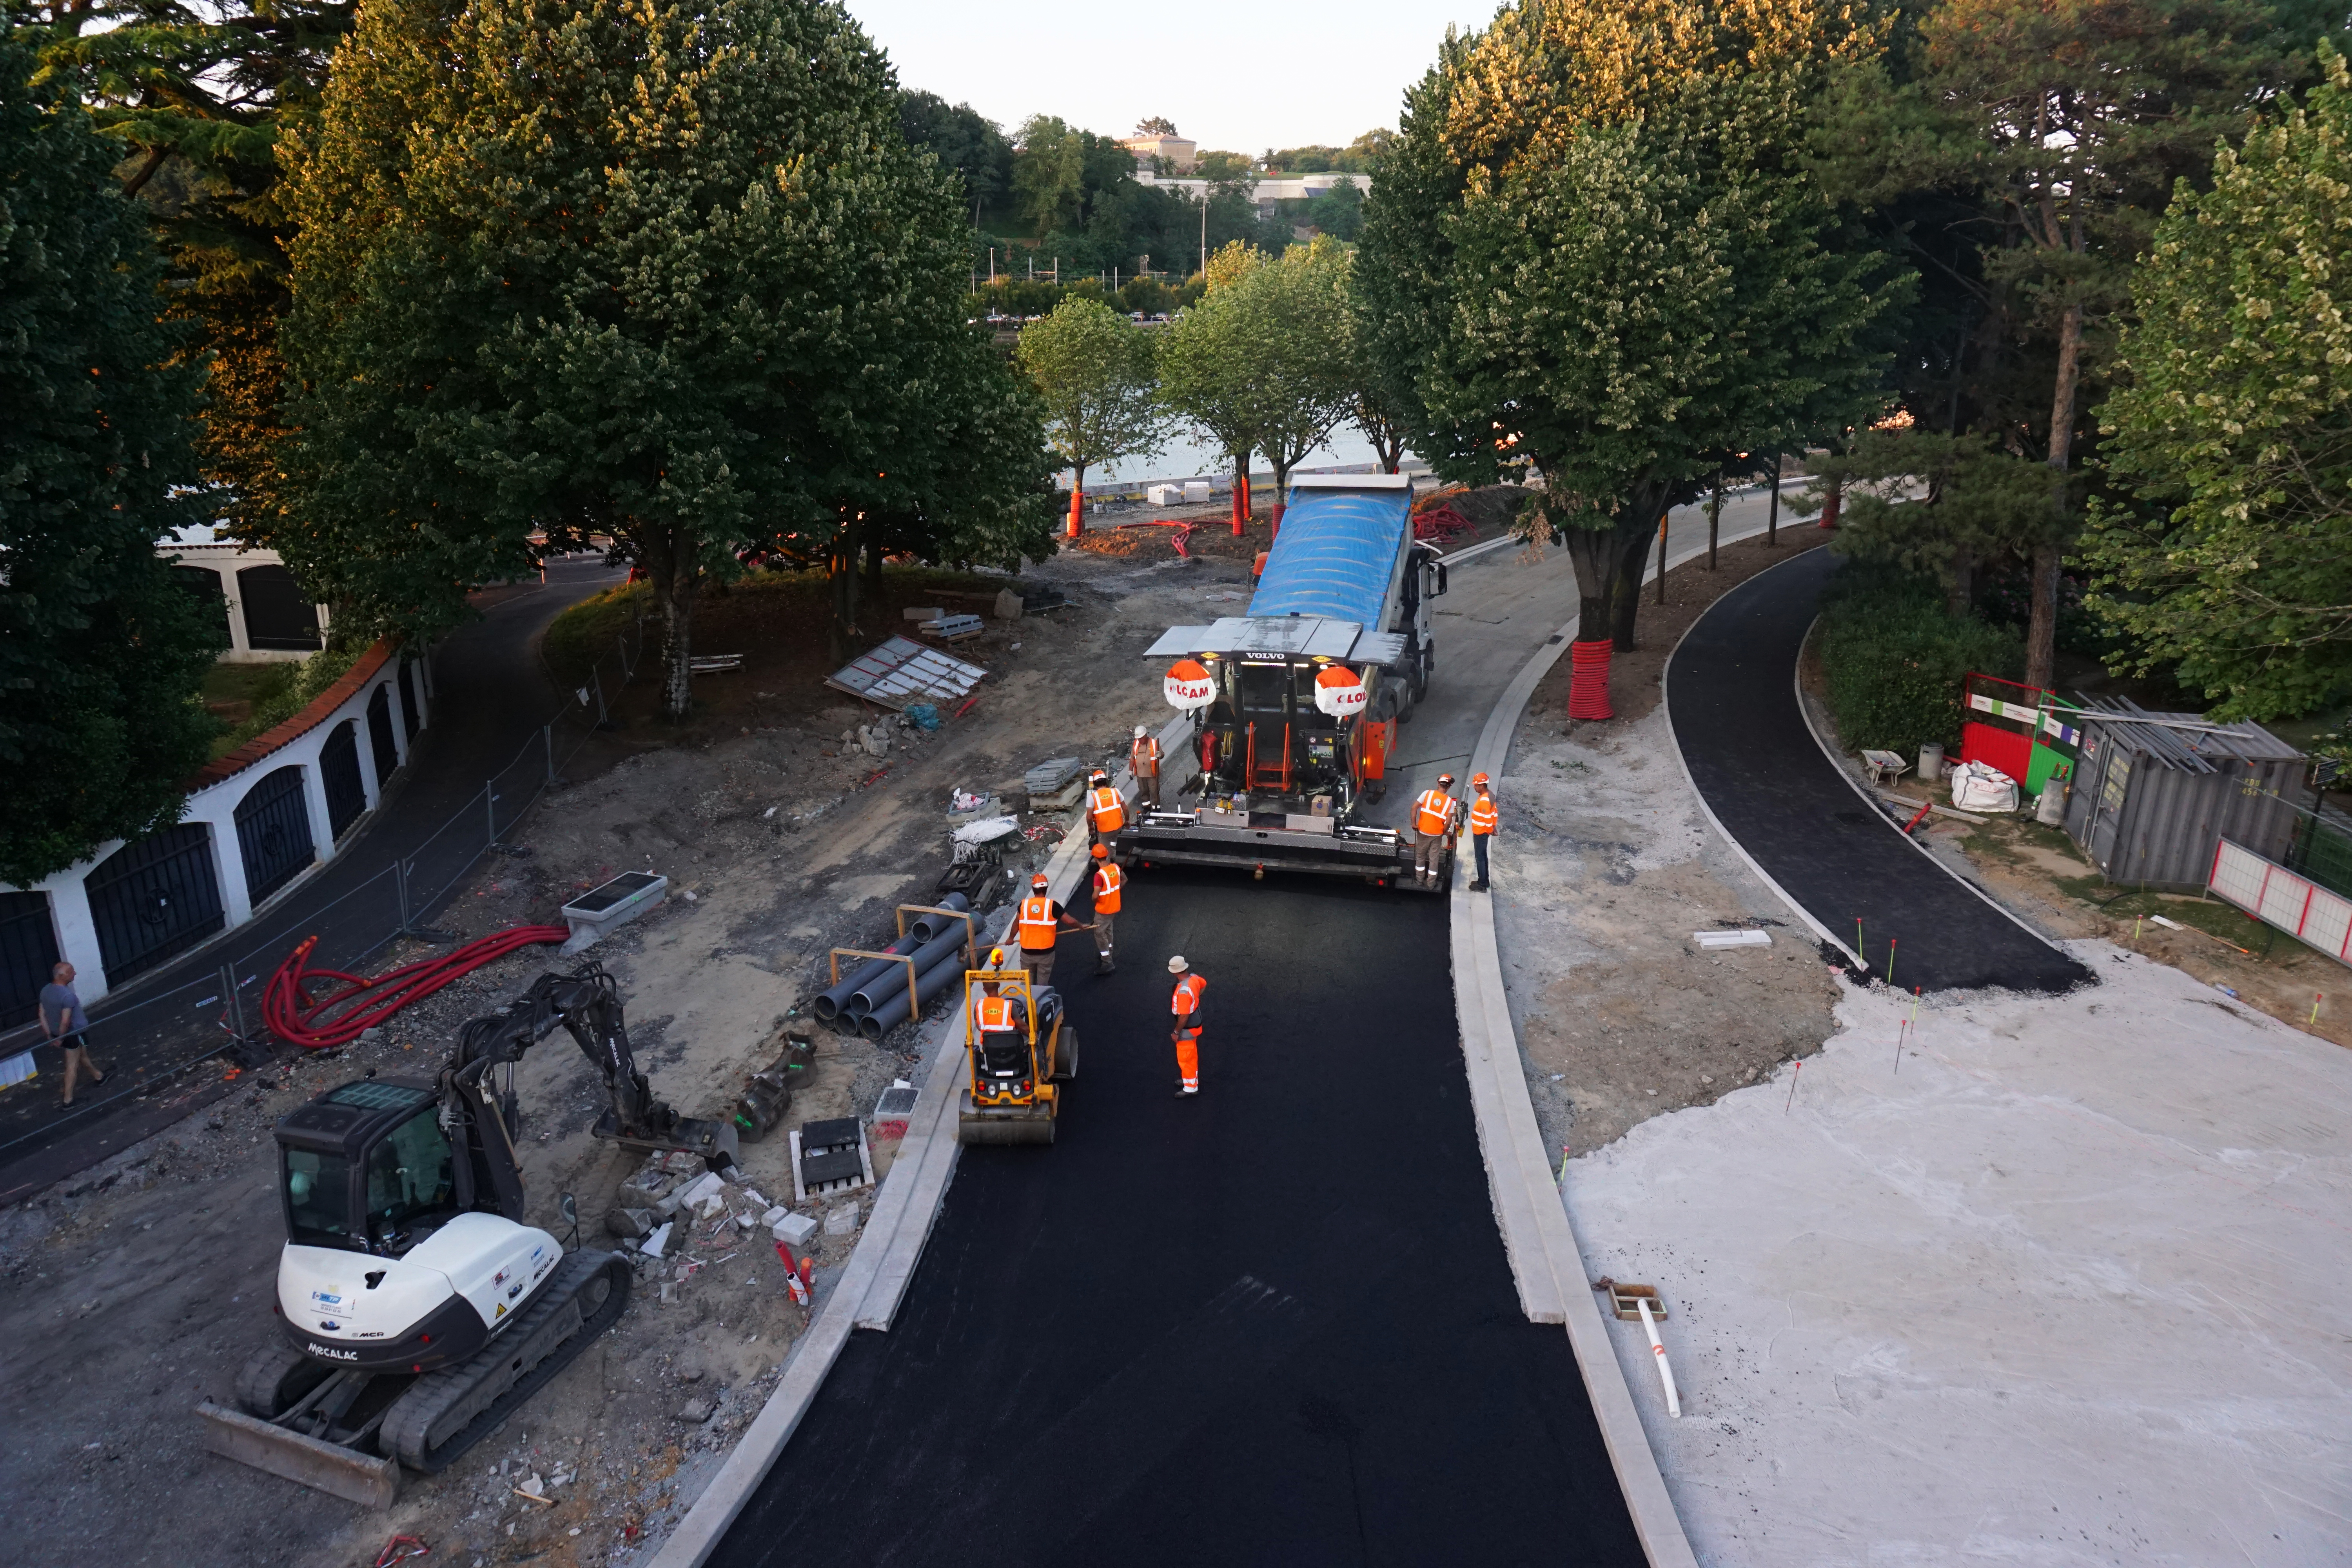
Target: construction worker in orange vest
(1483, 822)
(1041, 923)
(1143, 762)
(1106, 808)
(1437, 823)
(1110, 883)
(993, 1013)
(1185, 1008)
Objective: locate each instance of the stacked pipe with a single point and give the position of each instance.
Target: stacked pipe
(848, 1002)
(1588, 683)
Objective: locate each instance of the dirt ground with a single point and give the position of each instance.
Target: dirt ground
(1603, 867)
(139, 1286)
(1139, 532)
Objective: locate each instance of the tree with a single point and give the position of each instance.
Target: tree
(1155, 126)
(593, 269)
(1206, 367)
(103, 653)
(961, 138)
(2072, 119)
(2229, 554)
(1337, 212)
(1595, 247)
(196, 96)
(1094, 370)
(1292, 355)
(1049, 167)
(1983, 502)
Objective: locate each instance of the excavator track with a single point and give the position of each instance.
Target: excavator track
(445, 1413)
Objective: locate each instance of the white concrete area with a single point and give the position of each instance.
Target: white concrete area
(2073, 1287)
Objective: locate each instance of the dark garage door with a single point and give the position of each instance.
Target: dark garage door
(380, 734)
(273, 832)
(154, 899)
(28, 950)
(339, 770)
(277, 615)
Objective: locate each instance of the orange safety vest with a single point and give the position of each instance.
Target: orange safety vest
(1143, 757)
(1482, 815)
(1108, 880)
(1040, 930)
(1109, 810)
(995, 1015)
(1434, 812)
(1185, 1005)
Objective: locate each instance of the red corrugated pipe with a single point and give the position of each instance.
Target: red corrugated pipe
(292, 1016)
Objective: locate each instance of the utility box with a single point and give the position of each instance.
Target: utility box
(593, 914)
(1196, 492)
(2154, 794)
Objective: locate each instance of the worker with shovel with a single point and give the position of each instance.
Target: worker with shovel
(1041, 922)
(1436, 824)
(1185, 1007)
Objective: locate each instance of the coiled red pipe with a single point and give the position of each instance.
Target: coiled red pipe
(292, 1016)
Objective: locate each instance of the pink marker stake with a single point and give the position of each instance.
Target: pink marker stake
(1792, 1089)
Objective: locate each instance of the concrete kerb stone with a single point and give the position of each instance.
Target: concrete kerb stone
(1530, 1211)
(883, 1263)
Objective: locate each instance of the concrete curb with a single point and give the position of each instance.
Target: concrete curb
(883, 1264)
(1546, 1262)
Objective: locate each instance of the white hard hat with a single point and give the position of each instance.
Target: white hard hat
(1139, 731)
(1177, 965)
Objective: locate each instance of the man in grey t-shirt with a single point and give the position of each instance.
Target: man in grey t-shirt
(62, 1021)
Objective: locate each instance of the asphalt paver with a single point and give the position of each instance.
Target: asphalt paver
(1270, 1323)
(1732, 690)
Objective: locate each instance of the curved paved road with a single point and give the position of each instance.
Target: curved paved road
(489, 697)
(1731, 689)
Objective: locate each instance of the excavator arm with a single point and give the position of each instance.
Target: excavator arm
(481, 1111)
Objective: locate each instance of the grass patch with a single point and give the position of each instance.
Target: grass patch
(248, 698)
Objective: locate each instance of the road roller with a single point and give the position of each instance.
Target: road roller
(1021, 1049)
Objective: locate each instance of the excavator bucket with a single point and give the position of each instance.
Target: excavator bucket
(363, 1478)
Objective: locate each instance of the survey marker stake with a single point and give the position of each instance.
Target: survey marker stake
(1665, 1373)
(1793, 1088)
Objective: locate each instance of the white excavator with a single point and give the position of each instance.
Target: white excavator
(416, 1309)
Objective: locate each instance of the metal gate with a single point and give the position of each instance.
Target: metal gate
(28, 950)
(409, 682)
(154, 899)
(380, 734)
(273, 832)
(339, 770)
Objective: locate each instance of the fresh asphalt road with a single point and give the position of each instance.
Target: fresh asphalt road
(1271, 1323)
(1497, 610)
(1732, 688)
(489, 697)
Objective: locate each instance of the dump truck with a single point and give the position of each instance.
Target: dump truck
(1295, 704)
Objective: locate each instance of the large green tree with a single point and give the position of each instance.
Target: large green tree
(1597, 248)
(101, 654)
(1094, 372)
(2230, 555)
(600, 269)
(192, 96)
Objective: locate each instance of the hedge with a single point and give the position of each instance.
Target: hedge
(1893, 660)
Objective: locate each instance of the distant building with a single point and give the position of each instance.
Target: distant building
(1180, 155)
(266, 614)
(1268, 193)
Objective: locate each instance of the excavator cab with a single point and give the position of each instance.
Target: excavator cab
(1021, 1048)
(367, 1167)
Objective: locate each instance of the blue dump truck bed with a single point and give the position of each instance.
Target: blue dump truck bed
(1336, 556)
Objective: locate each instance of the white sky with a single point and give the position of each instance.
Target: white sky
(1232, 73)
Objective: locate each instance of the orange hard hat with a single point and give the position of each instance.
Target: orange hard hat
(1102, 851)
(1038, 882)
(1479, 781)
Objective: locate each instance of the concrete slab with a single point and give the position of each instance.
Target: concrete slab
(2071, 1287)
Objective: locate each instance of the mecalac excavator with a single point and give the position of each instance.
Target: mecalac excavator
(1295, 705)
(416, 1307)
